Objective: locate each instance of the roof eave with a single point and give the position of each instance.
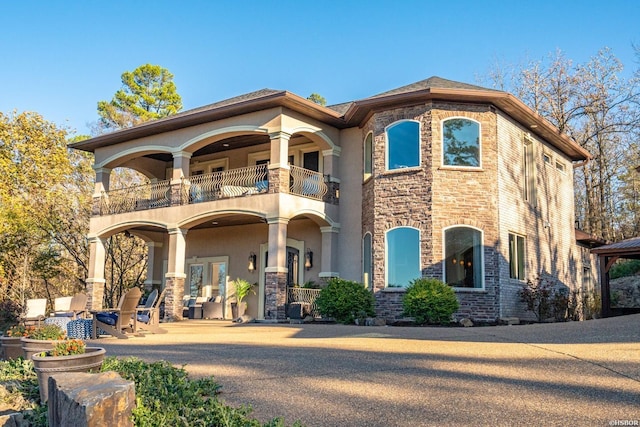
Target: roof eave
(360, 111)
(279, 99)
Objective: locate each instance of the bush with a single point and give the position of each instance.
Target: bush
(345, 301)
(624, 268)
(548, 301)
(430, 301)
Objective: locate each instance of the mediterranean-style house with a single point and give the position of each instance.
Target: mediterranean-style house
(437, 179)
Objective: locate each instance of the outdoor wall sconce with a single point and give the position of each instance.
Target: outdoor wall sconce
(252, 262)
(308, 259)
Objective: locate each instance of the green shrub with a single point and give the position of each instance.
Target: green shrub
(345, 301)
(429, 301)
(624, 268)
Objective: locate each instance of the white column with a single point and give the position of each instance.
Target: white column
(329, 257)
(279, 150)
(177, 252)
(277, 262)
(102, 181)
(95, 280)
(152, 248)
(181, 161)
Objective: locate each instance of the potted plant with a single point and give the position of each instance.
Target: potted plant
(71, 355)
(243, 288)
(41, 338)
(11, 341)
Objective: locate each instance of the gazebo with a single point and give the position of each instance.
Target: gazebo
(608, 255)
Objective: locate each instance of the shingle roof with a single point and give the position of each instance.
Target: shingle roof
(431, 82)
(251, 96)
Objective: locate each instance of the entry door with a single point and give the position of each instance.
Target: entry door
(293, 265)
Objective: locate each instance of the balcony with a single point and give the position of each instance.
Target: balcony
(243, 182)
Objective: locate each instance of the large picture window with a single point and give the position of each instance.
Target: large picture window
(463, 257)
(403, 256)
(516, 256)
(461, 143)
(403, 145)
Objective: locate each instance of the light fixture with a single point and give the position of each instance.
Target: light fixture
(252, 262)
(455, 261)
(308, 259)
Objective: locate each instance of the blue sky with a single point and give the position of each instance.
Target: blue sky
(59, 58)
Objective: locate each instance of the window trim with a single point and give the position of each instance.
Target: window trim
(480, 143)
(386, 255)
(517, 253)
(444, 258)
(529, 176)
(386, 136)
(368, 285)
(367, 175)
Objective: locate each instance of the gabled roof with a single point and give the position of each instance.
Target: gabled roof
(349, 114)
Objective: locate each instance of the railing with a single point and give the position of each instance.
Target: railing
(208, 187)
(306, 295)
(307, 183)
(225, 184)
(148, 196)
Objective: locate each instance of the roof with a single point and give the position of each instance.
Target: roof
(588, 239)
(624, 247)
(348, 114)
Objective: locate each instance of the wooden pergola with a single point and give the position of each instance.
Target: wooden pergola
(608, 255)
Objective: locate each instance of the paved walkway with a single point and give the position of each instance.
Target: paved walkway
(568, 374)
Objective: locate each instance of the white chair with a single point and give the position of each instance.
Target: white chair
(35, 311)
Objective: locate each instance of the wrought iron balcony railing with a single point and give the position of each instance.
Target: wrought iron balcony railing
(246, 181)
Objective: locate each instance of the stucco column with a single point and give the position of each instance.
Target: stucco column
(101, 187)
(275, 287)
(279, 150)
(279, 163)
(181, 162)
(329, 257)
(153, 254)
(332, 173)
(175, 276)
(95, 281)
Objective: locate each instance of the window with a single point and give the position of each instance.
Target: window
(560, 166)
(516, 256)
(528, 174)
(461, 143)
(547, 158)
(403, 256)
(403, 145)
(367, 270)
(368, 156)
(463, 257)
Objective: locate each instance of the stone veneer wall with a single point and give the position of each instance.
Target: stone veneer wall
(431, 198)
(173, 300)
(275, 290)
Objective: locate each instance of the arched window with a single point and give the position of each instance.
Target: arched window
(403, 145)
(367, 261)
(403, 256)
(463, 257)
(368, 156)
(461, 142)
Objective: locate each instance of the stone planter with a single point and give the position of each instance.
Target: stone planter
(45, 366)
(238, 309)
(31, 346)
(11, 347)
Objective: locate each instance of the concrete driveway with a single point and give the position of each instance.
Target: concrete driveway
(569, 374)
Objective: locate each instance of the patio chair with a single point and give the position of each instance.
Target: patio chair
(114, 321)
(76, 308)
(61, 304)
(213, 309)
(35, 311)
(149, 315)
